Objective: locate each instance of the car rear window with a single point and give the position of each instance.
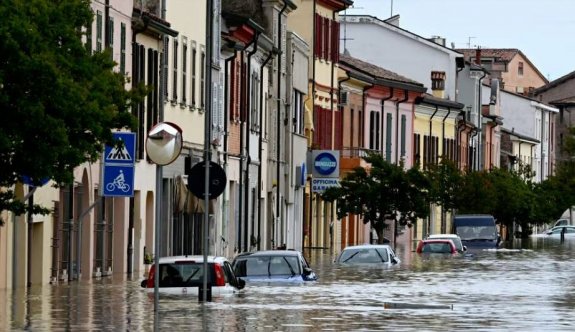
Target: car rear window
(439, 247)
(266, 266)
(184, 274)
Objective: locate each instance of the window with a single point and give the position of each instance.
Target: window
(98, 31)
(123, 48)
(111, 34)
(193, 82)
(520, 68)
(202, 77)
(388, 137)
(416, 149)
(298, 112)
(403, 133)
(184, 69)
(175, 73)
(255, 101)
(352, 129)
(89, 39)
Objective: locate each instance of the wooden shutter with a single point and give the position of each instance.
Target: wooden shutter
(335, 41)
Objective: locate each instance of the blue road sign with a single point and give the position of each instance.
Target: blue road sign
(118, 181)
(122, 154)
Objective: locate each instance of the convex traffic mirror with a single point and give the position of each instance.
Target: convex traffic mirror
(164, 143)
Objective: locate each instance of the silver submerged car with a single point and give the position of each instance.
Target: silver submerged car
(369, 254)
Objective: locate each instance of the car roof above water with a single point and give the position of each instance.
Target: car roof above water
(368, 246)
(270, 253)
(194, 258)
(443, 236)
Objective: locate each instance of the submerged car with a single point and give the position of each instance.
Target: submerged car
(373, 254)
(436, 246)
(185, 275)
(568, 231)
(453, 237)
(273, 266)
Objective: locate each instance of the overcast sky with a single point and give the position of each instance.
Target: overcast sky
(544, 30)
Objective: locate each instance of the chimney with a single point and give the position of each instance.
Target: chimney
(478, 56)
(438, 84)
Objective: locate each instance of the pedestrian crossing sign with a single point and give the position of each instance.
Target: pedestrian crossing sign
(122, 153)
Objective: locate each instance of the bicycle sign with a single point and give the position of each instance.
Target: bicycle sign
(118, 167)
(118, 181)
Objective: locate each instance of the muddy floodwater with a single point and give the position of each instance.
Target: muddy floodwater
(527, 286)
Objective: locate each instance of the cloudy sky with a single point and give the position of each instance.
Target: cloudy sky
(544, 30)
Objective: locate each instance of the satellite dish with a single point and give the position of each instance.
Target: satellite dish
(164, 143)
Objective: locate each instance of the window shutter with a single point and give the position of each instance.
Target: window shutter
(335, 41)
(388, 137)
(317, 36)
(403, 127)
(325, 38)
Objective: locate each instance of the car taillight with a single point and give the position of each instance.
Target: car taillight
(220, 280)
(150, 283)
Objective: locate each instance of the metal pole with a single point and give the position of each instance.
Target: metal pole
(70, 223)
(30, 237)
(207, 139)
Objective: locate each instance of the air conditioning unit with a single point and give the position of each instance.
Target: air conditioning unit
(342, 98)
(519, 89)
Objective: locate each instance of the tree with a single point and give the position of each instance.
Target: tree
(61, 101)
(476, 194)
(446, 180)
(385, 192)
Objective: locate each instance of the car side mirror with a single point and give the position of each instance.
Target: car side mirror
(307, 271)
(464, 248)
(241, 283)
(144, 283)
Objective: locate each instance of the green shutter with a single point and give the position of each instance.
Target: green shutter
(403, 134)
(123, 48)
(98, 31)
(388, 138)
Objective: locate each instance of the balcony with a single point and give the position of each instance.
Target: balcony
(351, 158)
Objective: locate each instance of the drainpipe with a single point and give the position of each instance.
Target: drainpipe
(405, 98)
(278, 126)
(339, 84)
(429, 152)
(260, 143)
(248, 130)
(460, 128)
(443, 130)
(382, 103)
(443, 223)
(479, 126)
(226, 134)
(242, 98)
(475, 132)
(135, 81)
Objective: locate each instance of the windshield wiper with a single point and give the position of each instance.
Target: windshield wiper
(350, 257)
(191, 276)
(290, 268)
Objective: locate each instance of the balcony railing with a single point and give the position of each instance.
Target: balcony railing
(354, 152)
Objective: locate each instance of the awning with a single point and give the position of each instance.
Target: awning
(185, 201)
(308, 115)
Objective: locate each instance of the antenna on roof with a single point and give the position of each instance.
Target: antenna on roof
(469, 42)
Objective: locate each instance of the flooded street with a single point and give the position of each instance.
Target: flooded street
(529, 287)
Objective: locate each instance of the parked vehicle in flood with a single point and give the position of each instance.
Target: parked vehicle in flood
(185, 275)
(436, 246)
(453, 237)
(273, 266)
(476, 230)
(369, 254)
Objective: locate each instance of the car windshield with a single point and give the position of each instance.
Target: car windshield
(183, 274)
(559, 229)
(477, 232)
(267, 266)
(364, 255)
(436, 247)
